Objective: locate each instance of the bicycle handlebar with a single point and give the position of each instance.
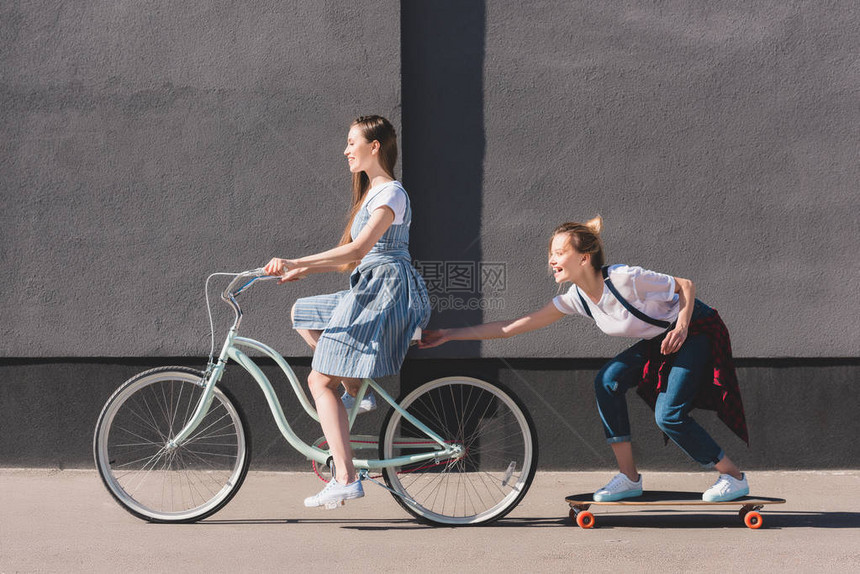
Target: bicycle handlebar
(244, 280)
(241, 281)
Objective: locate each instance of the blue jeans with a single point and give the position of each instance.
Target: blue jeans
(672, 412)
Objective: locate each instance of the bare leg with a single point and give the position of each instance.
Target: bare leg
(311, 336)
(726, 466)
(334, 421)
(352, 386)
(624, 456)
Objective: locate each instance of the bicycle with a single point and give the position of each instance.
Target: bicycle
(171, 446)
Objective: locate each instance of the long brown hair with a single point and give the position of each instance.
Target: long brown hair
(373, 128)
(585, 238)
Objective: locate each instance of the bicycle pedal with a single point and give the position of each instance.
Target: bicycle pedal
(333, 504)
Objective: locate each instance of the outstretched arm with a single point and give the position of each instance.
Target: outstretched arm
(547, 315)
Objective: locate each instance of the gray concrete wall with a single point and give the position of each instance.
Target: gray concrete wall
(718, 140)
(146, 145)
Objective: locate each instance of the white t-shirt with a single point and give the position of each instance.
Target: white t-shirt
(650, 292)
(390, 194)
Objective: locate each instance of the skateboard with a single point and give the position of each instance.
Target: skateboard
(749, 512)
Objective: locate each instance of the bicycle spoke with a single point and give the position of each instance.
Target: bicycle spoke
(188, 480)
(148, 422)
(475, 486)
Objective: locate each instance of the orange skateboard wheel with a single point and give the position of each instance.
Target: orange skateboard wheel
(753, 520)
(585, 519)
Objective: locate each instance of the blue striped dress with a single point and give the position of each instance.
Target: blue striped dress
(366, 329)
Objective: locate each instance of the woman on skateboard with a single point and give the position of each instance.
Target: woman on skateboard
(363, 331)
(682, 361)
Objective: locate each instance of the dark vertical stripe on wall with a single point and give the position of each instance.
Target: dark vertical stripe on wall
(443, 149)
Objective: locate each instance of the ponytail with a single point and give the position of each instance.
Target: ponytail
(595, 224)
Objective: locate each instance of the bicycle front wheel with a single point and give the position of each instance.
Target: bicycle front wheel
(497, 464)
(157, 483)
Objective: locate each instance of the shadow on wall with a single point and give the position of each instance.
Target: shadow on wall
(443, 151)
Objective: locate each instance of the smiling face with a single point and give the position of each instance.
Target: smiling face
(565, 261)
(360, 153)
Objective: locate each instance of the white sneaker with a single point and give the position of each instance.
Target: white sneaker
(335, 493)
(367, 404)
(726, 488)
(619, 488)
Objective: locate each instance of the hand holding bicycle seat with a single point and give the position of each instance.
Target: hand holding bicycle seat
(433, 338)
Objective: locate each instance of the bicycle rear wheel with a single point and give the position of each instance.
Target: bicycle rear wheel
(499, 457)
(187, 483)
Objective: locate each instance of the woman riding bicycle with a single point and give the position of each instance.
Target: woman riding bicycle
(682, 361)
(363, 331)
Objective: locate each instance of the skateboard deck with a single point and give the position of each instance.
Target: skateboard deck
(749, 512)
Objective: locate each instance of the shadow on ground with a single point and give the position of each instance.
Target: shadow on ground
(633, 519)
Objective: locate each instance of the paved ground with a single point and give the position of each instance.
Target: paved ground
(64, 521)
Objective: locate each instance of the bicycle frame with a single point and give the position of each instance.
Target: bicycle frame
(439, 449)
(482, 440)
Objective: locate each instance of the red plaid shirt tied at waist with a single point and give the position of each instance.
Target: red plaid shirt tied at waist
(722, 394)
